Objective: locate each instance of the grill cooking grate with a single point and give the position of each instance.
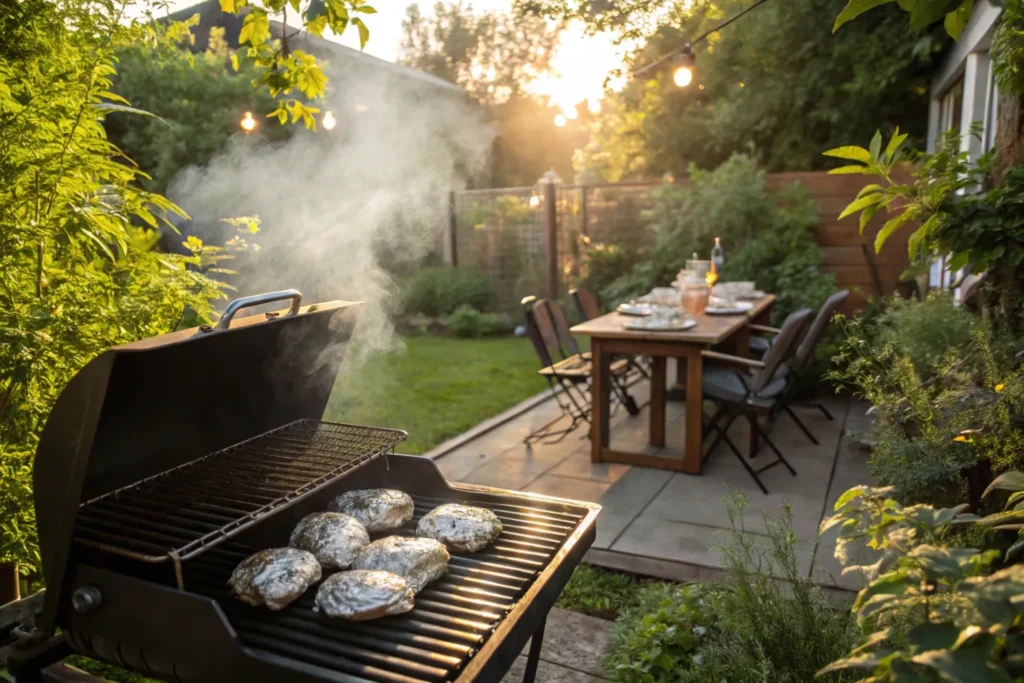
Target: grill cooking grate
(453, 617)
(188, 509)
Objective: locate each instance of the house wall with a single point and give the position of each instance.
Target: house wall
(964, 94)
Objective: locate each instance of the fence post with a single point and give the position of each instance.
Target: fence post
(451, 241)
(584, 228)
(550, 239)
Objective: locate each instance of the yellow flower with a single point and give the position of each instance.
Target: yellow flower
(1000, 387)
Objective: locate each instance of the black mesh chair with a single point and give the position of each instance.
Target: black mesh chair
(566, 370)
(804, 355)
(752, 391)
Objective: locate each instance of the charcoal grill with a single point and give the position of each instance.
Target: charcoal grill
(167, 461)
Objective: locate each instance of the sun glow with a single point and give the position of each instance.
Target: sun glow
(582, 68)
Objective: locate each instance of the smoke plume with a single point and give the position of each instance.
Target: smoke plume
(334, 205)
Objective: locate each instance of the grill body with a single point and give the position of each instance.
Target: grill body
(469, 626)
(167, 461)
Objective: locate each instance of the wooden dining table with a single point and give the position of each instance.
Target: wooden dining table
(609, 337)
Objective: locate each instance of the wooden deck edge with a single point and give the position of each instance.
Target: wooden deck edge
(488, 425)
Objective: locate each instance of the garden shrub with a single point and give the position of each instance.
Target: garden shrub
(929, 331)
(933, 608)
(656, 639)
(943, 404)
(770, 621)
(765, 622)
(599, 592)
(766, 235)
(439, 291)
(466, 321)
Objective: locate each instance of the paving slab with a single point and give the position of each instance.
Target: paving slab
(548, 673)
(672, 518)
(689, 543)
(577, 641)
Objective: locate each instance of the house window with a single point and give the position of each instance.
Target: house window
(952, 111)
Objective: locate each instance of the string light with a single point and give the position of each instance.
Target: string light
(683, 74)
(561, 120)
(248, 123)
(328, 121)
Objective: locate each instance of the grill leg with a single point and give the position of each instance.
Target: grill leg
(530, 675)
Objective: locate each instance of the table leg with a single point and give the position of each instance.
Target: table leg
(694, 411)
(741, 342)
(755, 435)
(601, 389)
(657, 418)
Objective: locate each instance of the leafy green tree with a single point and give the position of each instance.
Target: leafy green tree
(79, 271)
(286, 73)
(198, 100)
(776, 83)
(493, 56)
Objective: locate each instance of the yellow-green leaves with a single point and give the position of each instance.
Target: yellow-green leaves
(956, 20)
(853, 9)
(923, 13)
(873, 161)
(255, 28)
(284, 70)
(851, 153)
(364, 32)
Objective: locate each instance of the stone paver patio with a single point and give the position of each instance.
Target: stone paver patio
(668, 524)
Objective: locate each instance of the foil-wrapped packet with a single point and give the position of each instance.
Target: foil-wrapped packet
(462, 528)
(274, 577)
(364, 594)
(418, 560)
(333, 538)
(378, 509)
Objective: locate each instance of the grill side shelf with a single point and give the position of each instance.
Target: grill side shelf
(181, 513)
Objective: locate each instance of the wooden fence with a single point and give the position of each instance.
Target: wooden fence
(525, 239)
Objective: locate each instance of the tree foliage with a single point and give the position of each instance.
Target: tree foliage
(196, 101)
(776, 84)
(288, 74)
(78, 268)
(492, 56)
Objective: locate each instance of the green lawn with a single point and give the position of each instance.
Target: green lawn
(435, 388)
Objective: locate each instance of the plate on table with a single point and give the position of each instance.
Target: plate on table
(737, 308)
(660, 324)
(640, 310)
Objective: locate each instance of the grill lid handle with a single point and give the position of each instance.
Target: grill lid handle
(256, 300)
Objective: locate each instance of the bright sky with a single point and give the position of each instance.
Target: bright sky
(582, 62)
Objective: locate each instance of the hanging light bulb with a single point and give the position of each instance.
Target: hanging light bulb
(248, 122)
(328, 121)
(684, 67)
(683, 76)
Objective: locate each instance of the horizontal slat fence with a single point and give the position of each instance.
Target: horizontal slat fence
(505, 233)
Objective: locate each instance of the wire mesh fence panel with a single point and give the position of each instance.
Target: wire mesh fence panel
(617, 214)
(500, 233)
(569, 202)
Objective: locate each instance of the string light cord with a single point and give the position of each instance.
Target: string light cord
(695, 41)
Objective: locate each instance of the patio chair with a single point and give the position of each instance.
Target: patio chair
(751, 392)
(804, 355)
(565, 369)
(589, 307)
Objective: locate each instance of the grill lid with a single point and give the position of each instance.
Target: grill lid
(152, 405)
